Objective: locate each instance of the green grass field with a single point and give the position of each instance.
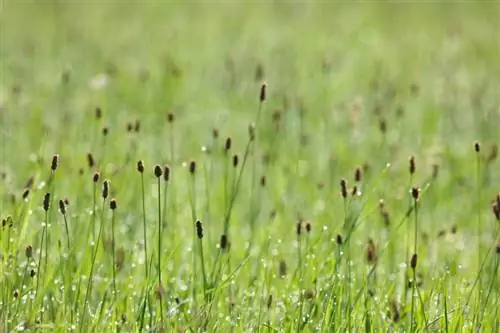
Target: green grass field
(148, 183)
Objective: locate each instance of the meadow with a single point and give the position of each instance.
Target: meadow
(229, 166)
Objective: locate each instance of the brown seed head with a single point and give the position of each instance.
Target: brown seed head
(259, 72)
(477, 147)
(112, 204)
(15, 294)
(235, 160)
(95, 177)
(339, 239)
(46, 201)
(166, 173)
(298, 228)
(105, 131)
(26, 193)
(282, 268)
(62, 207)
(411, 166)
(223, 241)
(308, 227)
(343, 188)
(32, 273)
(358, 174)
(495, 207)
(263, 181)
(28, 251)
(90, 160)
(29, 182)
(371, 252)
(227, 146)
(140, 166)
(130, 127)
(170, 117)
(55, 162)
(415, 193)
(98, 113)
(251, 132)
(192, 167)
(413, 261)
(382, 125)
(263, 89)
(199, 229)
(435, 171)
(215, 133)
(105, 189)
(309, 293)
(354, 191)
(158, 171)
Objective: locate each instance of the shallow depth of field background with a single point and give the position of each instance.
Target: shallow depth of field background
(348, 85)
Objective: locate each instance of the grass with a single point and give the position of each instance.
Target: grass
(243, 166)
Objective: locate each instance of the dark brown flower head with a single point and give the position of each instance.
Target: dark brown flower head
(105, 131)
(112, 204)
(55, 162)
(263, 89)
(309, 293)
(166, 173)
(411, 165)
(251, 132)
(215, 133)
(90, 160)
(32, 273)
(382, 125)
(15, 294)
(263, 181)
(227, 146)
(130, 127)
(158, 171)
(105, 189)
(95, 177)
(394, 312)
(29, 182)
(358, 175)
(98, 113)
(223, 241)
(497, 248)
(441, 233)
(140, 166)
(435, 171)
(477, 147)
(62, 207)
(46, 201)
(192, 167)
(298, 228)
(26, 193)
(235, 160)
(415, 193)
(170, 117)
(453, 229)
(282, 268)
(199, 229)
(339, 239)
(308, 227)
(354, 191)
(28, 251)
(413, 261)
(371, 252)
(495, 207)
(343, 188)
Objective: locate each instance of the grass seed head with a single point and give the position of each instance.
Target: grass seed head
(62, 207)
(192, 167)
(90, 160)
(435, 170)
(263, 180)
(251, 132)
(343, 188)
(28, 251)
(95, 177)
(170, 117)
(371, 252)
(263, 89)
(223, 242)
(158, 171)
(411, 165)
(98, 113)
(415, 193)
(137, 126)
(298, 228)
(477, 147)
(140, 166)
(227, 146)
(413, 261)
(166, 173)
(55, 162)
(199, 229)
(282, 269)
(358, 175)
(215, 133)
(46, 201)
(105, 189)
(112, 204)
(269, 301)
(259, 72)
(339, 239)
(382, 125)
(32, 273)
(308, 227)
(130, 127)
(235, 160)
(29, 182)
(105, 131)
(26, 193)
